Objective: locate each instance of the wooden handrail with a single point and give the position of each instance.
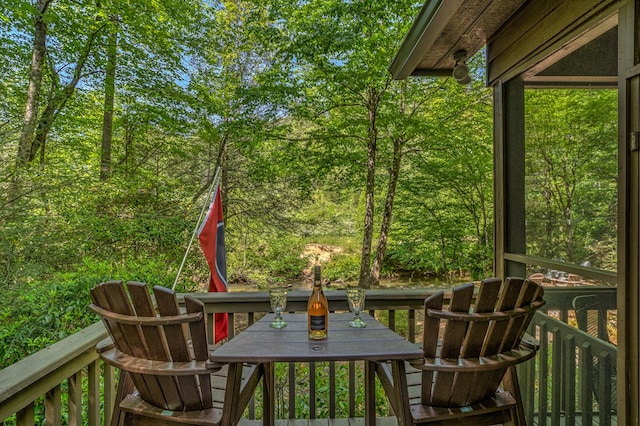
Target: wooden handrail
(34, 376)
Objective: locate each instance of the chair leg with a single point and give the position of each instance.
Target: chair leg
(401, 391)
(510, 384)
(125, 387)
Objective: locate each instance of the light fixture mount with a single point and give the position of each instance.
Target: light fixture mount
(461, 70)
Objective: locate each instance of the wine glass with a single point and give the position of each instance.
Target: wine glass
(278, 299)
(355, 296)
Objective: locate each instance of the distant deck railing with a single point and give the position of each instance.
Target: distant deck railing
(67, 383)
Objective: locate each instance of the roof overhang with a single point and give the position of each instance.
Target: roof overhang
(444, 27)
(549, 44)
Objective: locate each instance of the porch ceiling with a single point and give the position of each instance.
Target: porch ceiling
(445, 26)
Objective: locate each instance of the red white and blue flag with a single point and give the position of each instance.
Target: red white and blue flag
(211, 237)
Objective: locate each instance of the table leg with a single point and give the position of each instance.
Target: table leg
(369, 393)
(268, 395)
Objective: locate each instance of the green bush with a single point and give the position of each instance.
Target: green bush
(345, 267)
(41, 314)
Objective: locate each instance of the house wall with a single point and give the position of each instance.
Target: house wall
(629, 210)
(539, 34)
(542, 29)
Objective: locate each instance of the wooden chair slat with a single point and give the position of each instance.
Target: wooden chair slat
(452, 339)
(517, 325)
(199, 344)
(497, 330)
(486, 302)
(429, 344)
(111, 296)
(198, 330)
(177, 342)
(456, 330)
(143, 305)
(432, 325)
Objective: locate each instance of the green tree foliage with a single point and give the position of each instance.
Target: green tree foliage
(571, 175)
(315, 141)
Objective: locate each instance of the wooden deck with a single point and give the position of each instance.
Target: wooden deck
(391, 421)
(357, 421)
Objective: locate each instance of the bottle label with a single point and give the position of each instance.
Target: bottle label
(317, 322)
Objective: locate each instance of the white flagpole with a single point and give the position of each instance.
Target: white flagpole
(207, 202)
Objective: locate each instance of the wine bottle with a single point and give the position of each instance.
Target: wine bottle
(317, 309)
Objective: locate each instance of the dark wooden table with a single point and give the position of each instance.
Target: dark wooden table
(262, 344)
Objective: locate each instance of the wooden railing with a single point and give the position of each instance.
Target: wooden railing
(71, 368)
(68, 384)
(574, 372)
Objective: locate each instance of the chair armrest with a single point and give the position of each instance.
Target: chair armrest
(159, 368)
(530, 342)
(104, 345)
(481, 364)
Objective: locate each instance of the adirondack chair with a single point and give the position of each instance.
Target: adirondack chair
(163, 357)
(469, 352)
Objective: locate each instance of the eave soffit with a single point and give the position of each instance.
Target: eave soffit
(442, 27)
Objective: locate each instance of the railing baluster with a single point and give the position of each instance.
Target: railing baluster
(74, 384)
(527, 377)
(392, 319)
(569, 379)
(556, 371)
(232, 330)
(586, 375)
(94, 393)
(411, 319)
(332, 385)
(292, 390)
(53, 407)
(604, 402)
(25, 417)
(352, 389)
(312, 390)
(543, 357)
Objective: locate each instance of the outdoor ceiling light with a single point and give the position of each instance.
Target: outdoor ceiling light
(461, 70)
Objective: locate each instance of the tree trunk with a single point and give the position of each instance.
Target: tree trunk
(33, 94)
(388, 209)
(365, 260)
(109, 99)
(58, 101)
